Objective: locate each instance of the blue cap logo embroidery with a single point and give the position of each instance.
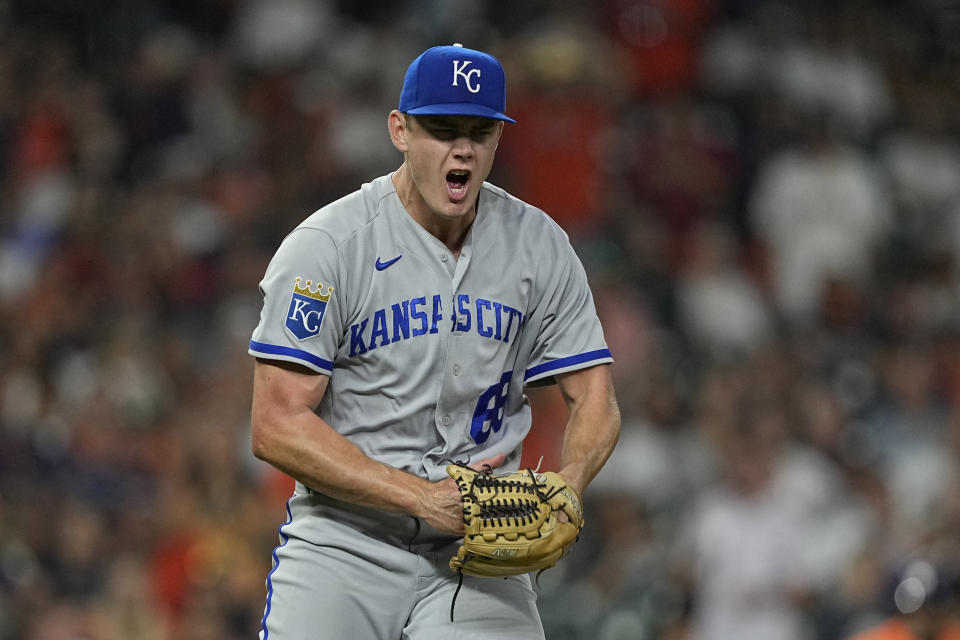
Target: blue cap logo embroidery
(306, 309)
(466, 75)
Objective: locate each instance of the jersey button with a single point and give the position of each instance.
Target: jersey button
(445, 420)
(443, 257)
(457, 370)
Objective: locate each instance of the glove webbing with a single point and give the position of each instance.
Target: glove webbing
(486, 480)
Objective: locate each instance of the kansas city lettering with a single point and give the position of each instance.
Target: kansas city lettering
(421, 316)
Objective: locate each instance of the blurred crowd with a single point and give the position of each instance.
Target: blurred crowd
(766, 195)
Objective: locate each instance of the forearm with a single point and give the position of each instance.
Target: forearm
(311, 451)
(591, 432)
(288, 434)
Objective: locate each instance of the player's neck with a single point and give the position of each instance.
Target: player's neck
(450, 230)
(451, 233)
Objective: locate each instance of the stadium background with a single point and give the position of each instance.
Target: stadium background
(767, 199)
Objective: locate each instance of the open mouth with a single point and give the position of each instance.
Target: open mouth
(457, 180)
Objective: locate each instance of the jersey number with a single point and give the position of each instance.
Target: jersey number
(488, 416)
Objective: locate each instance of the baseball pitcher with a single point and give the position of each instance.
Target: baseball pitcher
(400, 327)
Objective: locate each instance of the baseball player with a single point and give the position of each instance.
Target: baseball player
(400, 326)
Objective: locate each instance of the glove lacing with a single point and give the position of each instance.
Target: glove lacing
(517, 508)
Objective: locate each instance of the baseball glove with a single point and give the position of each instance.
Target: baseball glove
(512, 521)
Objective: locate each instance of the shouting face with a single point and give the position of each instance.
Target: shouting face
(447, 158)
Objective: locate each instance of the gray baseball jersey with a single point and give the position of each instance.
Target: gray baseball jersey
(428, 355)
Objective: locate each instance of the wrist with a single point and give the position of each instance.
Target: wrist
(573, 479)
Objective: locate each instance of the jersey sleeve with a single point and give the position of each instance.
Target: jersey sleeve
(569, 335)
(300, 320)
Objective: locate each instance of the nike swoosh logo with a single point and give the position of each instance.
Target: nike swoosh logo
(383, 265)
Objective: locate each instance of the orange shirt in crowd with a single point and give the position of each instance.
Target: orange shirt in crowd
(897, 629)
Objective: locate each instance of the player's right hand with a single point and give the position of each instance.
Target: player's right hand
(442, 508)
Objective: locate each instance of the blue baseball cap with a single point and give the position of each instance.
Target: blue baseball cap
(455, 81)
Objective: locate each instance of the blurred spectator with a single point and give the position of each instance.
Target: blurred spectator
(721, 308)
(564, 97)
(660, 41)
(822, 212)
(908, 435)
(747, 578)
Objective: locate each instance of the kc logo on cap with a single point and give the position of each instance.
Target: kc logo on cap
(461, 71)
(455, 81)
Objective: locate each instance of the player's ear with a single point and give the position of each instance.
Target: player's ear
(397, 124)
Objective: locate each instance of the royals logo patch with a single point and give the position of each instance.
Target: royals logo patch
(307, 308)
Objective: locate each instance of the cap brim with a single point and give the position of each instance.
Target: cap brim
(460, 109)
